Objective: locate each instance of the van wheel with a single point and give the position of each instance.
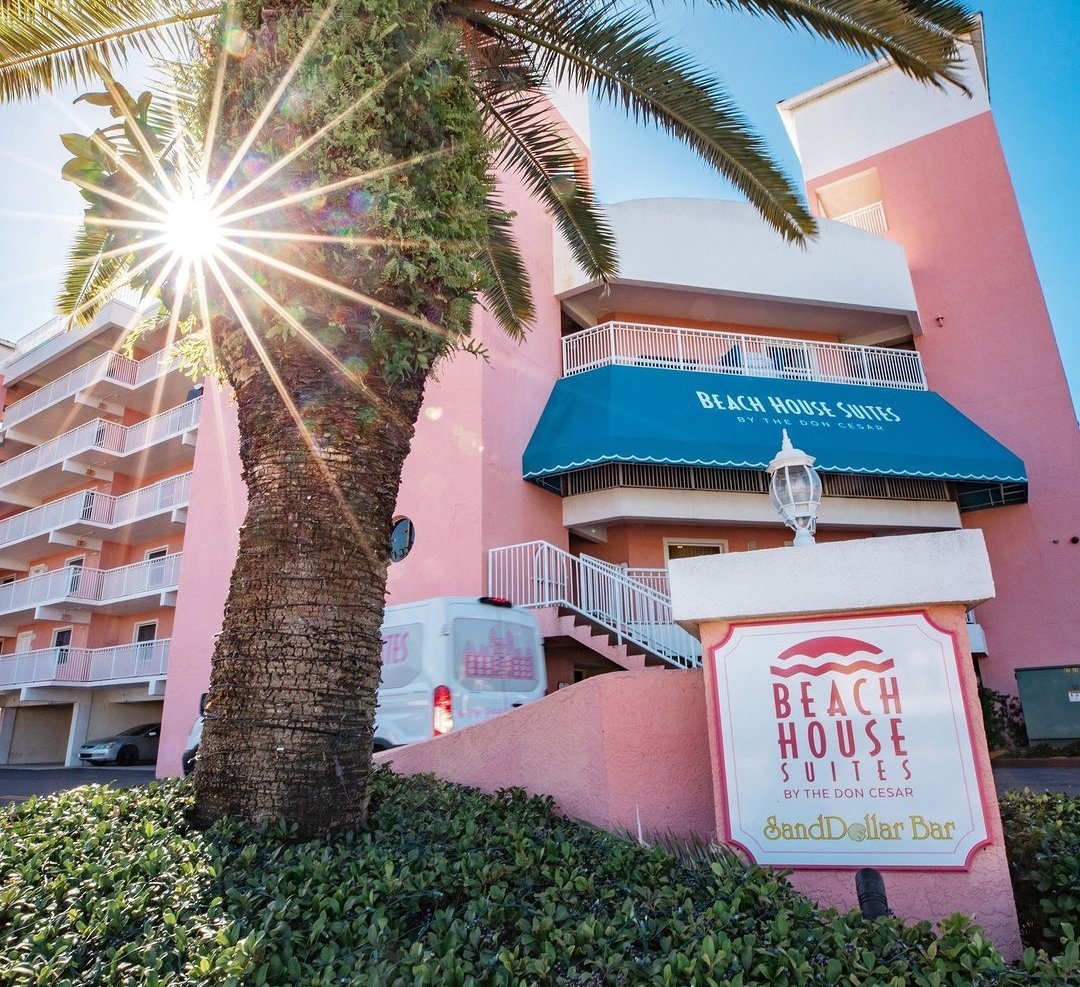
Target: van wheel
(128, 754)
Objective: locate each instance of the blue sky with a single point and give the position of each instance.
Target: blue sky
(1035, 92)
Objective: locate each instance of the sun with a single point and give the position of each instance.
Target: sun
(193, 230)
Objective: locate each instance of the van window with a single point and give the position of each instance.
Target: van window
(402, 650)
(490, 654)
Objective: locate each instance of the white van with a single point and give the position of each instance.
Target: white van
(453, 661)
(447, 662)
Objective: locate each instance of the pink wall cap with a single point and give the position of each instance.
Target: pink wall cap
(834, 577)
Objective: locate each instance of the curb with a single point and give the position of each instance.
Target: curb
(1035, 762)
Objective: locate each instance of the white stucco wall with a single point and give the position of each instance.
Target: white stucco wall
(834, 577)
(874, 108)
(704, 506)
(721, 246)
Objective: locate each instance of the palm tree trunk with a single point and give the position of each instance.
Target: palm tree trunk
(296, 668)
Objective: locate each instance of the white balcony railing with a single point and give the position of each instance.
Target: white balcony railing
(870, 218)
(655, 579)
(92, 507)
(71, 666)
(107, 366)
(104, 436)
(175, 421)
(537, 574)
(59, 324)
(93, 587)
(674, 348)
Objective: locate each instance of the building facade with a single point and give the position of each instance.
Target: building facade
(908, 349)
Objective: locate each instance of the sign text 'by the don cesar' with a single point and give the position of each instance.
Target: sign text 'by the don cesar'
(845, 742)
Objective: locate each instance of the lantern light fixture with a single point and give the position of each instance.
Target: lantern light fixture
(795, 490)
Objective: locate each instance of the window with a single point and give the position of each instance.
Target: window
(402, 536)
(155, 575)
(75, 565)
(61, 642)
(145, 633)
(88, 504)
(692, 548)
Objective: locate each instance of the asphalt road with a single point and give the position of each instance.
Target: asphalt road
(18, 784)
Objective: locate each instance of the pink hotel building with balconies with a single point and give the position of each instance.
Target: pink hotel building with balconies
(909, 349)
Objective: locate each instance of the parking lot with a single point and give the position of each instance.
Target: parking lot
(17, 784)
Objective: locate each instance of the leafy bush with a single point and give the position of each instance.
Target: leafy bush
(450, 887)
(1003, 718)
(1042, 839)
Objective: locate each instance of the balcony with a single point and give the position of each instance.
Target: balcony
(870, 218)
(109, 383)
(673, 348)
(86, 666)
(717, 260)
(92, 450)
(80, 519)
(70, 593)
(56, 342)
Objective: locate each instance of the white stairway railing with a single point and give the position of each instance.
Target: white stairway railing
(84, 665)
(91, 507)
(80, 584)
(107, 366)
(538, 574)
(674, 348)
(105, 435)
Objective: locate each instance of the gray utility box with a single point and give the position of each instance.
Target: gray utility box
(1051, 700)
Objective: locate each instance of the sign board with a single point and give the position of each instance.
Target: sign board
(845, 742)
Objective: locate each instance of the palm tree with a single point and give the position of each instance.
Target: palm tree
(327, 340)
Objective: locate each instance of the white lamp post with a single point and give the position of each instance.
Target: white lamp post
(795, 490)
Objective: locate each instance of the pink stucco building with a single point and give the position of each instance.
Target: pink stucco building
(908, 349)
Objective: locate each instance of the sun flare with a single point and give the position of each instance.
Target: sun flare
(192, 228)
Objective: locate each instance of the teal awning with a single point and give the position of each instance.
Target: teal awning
(620, 414)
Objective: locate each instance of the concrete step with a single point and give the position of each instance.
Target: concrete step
(565, 622)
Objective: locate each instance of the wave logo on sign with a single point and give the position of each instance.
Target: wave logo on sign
(842, 647)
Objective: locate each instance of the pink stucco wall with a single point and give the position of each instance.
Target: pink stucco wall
(624, 751)
(950, 202)
(463, 475)
(216, 509)
(461, 484)
(629, 752)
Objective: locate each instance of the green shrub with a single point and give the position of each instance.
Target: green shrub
(1003, 719)
(450, 887)
(1042, 839)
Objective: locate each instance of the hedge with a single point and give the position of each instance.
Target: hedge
(449, 887)
(1042, 838)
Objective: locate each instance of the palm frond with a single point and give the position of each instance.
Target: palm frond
(618, 56)
(91, 278)
(918, 35)
(45, 44)
(506, 290)
(533, 146)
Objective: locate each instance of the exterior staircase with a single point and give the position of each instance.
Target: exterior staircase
(623, 615)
